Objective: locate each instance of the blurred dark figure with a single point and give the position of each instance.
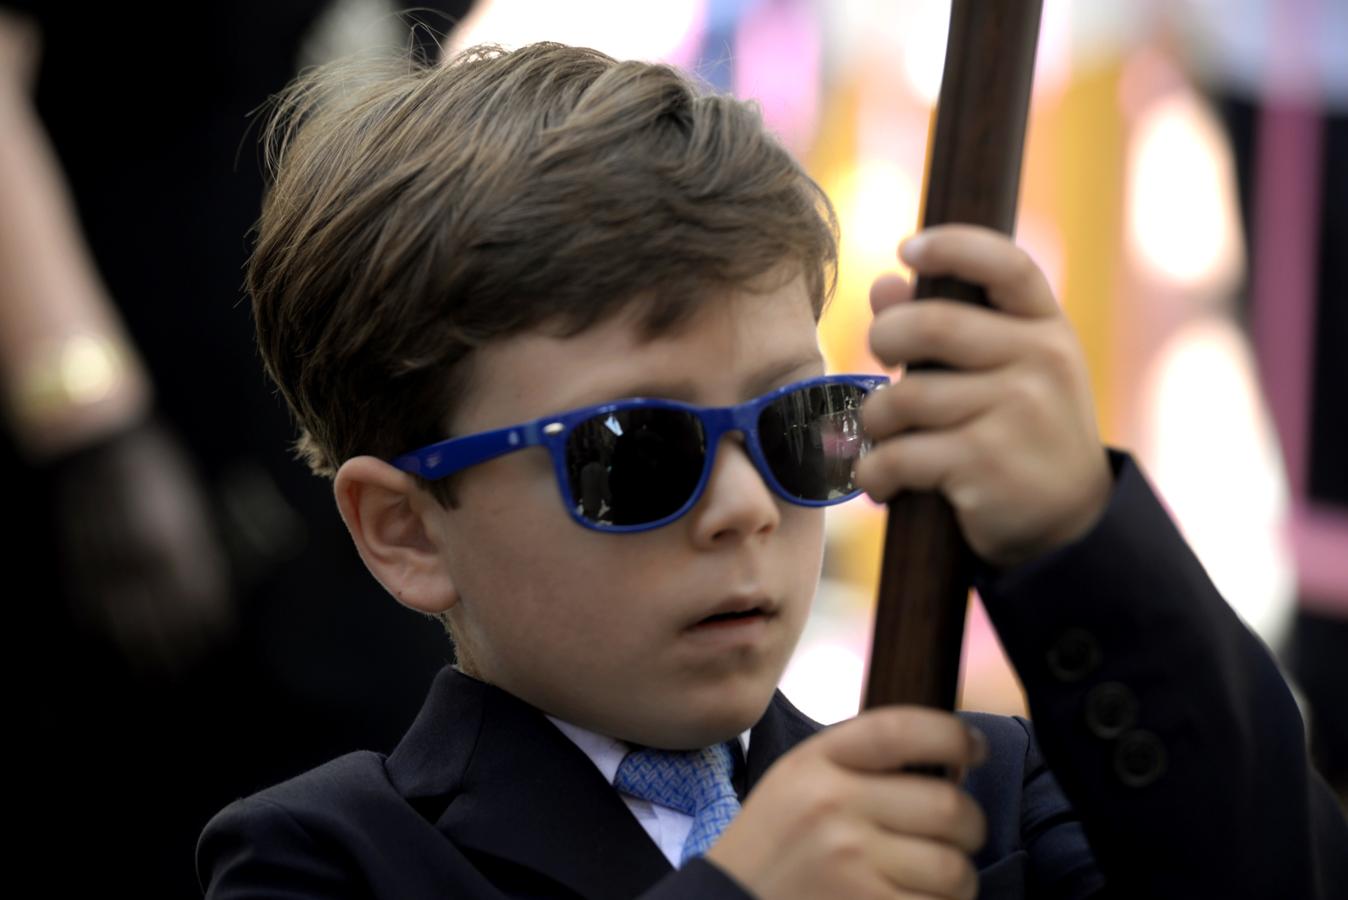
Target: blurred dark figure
(194, 621)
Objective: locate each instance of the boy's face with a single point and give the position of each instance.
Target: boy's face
(607, 631)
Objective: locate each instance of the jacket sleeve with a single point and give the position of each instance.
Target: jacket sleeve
(1166, 722)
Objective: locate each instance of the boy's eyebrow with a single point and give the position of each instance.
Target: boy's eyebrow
(775, 375)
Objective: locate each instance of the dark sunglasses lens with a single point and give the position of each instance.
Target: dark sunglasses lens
(812, 439)
(634, 466)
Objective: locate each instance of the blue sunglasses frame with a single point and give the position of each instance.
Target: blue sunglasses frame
(444, 458)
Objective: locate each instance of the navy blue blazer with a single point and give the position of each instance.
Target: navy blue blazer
(1177, 754)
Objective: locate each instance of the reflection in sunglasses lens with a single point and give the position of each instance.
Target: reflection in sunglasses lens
(812, 438)
(634, 466)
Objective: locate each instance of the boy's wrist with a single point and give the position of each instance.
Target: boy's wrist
(991, 575)
(1075, 523)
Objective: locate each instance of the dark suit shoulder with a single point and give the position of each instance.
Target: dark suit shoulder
(356, 776)
(339, 830)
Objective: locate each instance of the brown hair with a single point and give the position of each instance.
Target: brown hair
(419, 212)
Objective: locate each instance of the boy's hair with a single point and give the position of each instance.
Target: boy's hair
(420, 212)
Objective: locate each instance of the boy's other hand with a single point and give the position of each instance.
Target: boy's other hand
(1005, 428)
(838, 817)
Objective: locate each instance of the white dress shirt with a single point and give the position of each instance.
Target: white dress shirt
(667, 827)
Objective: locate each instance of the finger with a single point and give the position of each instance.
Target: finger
(926, 399)
(932, 808)
(887, 739)
(958, 335)
(915, 461)
(889, 290)
(982, 256)
(924, 867)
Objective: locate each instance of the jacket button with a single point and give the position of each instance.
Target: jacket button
(1139, 758)
(1111, 709)
(1074, 656)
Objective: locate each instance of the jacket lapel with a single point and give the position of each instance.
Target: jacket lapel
(781, 728)
(498, 779)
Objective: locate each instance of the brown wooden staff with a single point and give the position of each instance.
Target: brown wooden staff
(973, 176)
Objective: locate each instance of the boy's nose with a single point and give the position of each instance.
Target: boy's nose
(737, 502)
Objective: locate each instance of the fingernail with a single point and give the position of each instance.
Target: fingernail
(980, 742)
(912, 248)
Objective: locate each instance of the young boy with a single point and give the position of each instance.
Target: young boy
(506, 251)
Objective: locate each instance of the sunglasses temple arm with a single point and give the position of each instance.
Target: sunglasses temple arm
(447, 457)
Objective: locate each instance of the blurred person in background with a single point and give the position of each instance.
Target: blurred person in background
(170, 553)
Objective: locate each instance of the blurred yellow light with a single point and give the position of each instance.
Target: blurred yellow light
(877, 208)
(1181, 206)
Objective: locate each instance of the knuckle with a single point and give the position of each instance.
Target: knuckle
(841, 844)
(879, 340)
(819, 799)
(951, 871)
(966, 495)
(1060, 357)
(1026, 391)
(987, 444)
(886, 333)
(856, 884)
(934, 324)
(967, 888)
(878, 413)
(892, 464)
(873, 469)
(947, 809)
(893, 728)
(871, 890)
(1024, 272)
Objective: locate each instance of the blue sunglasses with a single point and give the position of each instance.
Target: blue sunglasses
(634, 465)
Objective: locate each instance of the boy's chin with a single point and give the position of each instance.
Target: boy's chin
(702, 722)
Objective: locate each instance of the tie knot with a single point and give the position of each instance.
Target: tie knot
(687, 781)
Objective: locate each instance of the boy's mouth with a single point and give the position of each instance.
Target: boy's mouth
(733, 616)
(736, 610)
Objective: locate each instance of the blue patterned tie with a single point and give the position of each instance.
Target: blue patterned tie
(695, 783)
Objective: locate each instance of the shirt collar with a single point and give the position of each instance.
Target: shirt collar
(606, 752)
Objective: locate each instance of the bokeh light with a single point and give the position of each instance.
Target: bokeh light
(1181, 208)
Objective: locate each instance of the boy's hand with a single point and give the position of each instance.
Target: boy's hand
(837, 817)
(1006, 430)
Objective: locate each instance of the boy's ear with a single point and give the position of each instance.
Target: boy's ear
(390, 519)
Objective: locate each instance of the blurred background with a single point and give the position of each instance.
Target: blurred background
(1183, 189)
